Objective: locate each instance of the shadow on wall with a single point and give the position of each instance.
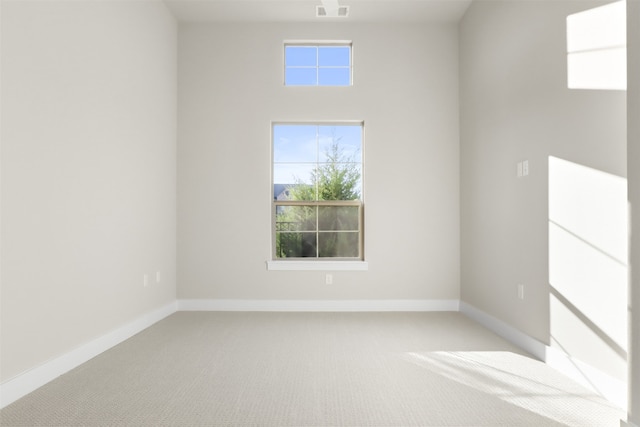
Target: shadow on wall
(588, 246)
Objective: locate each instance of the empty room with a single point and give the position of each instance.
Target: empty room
(319, 212)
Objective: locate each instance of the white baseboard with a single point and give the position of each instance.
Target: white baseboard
(316, 305)
(25, 383)
(612, 389)
(506, 331)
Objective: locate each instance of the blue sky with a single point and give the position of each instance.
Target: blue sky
(299, 148)
(317, 65)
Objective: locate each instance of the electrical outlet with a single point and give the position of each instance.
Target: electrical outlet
(525, 168)
(520, 291)
(328, 279)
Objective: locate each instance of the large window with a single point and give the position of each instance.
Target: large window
(317, 190)
(314, 64)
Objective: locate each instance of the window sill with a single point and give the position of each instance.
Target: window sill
(318, 265)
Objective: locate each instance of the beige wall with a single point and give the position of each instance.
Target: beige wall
(405, 89)
(633, 165)
(88, 172)
(515, 106)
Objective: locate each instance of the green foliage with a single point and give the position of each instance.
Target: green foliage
(337, 179)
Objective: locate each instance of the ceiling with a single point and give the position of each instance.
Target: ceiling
(305, 10)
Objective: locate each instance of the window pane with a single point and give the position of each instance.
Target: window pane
(334, 76)
(297, 192)
(301, 77)
(344, 245)
(334, 218)
(339, 181)
(296, 218)
(296, 56)
(348, 140)
(295, 143)
(334, 56)
(293, 174)
(314, 65)
(296, 245)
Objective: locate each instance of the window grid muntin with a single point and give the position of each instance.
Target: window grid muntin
(317, 231)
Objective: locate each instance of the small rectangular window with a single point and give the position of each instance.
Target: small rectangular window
(317, 191)
(317, 64)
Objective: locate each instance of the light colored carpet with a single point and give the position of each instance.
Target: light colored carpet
(313, 369)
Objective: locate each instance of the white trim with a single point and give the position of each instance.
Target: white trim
(316, 305)
(317, 42)
(612, 389)
(318, 265)
(28, 381)
(506, 331)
